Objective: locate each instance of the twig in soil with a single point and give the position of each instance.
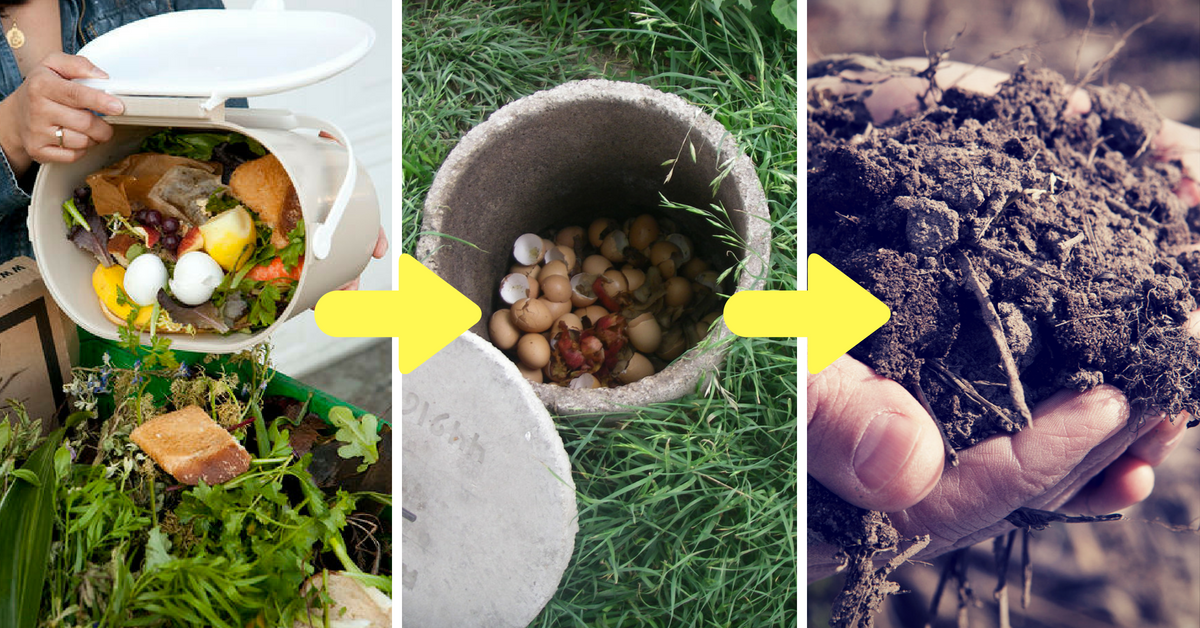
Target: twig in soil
(992, 320)
(951, 455)
(1034, 519)
(967, 389)
(1026, 569)
(995, 206)
(1132, 214)
(1013, 259)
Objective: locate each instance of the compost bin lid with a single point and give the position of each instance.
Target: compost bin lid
(220, 54)
(490, 521)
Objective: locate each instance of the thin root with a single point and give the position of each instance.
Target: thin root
(992, 320)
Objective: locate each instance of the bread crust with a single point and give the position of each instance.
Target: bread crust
(191, 446)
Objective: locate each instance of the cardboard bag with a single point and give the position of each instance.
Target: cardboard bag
(35, 344)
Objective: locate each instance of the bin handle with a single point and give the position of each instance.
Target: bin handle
(322, 237)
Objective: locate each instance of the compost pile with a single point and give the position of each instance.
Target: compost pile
(995, 225)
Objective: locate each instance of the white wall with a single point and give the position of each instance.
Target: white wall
(359, 101)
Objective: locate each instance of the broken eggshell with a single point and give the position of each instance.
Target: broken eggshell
(197, 275)
(145, 276)
(528, 249)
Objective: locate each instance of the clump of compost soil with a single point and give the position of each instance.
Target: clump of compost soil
(1021, 251)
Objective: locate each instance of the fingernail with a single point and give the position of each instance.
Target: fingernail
(884, 448)
(114, 107)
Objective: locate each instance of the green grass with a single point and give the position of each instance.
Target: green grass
(687, 516)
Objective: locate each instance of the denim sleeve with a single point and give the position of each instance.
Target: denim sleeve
(13, 199)
(14, 204)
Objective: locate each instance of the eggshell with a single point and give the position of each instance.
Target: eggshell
(582, 294)
(533, 375)
(679, 292)
(568, 236)
(704, 325)
(616, 282)
(599, 229)
(694, 267)
(643, 232)
(557, 309)
(662, 251)
(593, 313)
(613, 246)
(683, 243)
(596, 264)
(634, 278)
(547, 246)
(638, 368)
(529, 248)
(503, 333)
(673, 345)
(145, 276)
(572, 321)
(529, 270)
(197, 274)
(644, 333)
(531, 315)
(556, 267)
(533, 350)
(564, 254)
(556, 288)
(516, 286)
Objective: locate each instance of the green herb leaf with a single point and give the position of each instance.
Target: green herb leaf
(262, 312)
(220, 201)
(158, 549)
(195, 145)
(291, 253)
(71, 215)
(26, 523)
(360, 435)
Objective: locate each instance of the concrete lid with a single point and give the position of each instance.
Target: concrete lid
(489, 483)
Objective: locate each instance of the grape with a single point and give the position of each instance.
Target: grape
(82, 194)
(170, 242)
(152, 217)
(169, 224)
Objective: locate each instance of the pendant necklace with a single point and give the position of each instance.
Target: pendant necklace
(15, 37)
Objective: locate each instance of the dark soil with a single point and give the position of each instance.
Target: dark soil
(1069, 227)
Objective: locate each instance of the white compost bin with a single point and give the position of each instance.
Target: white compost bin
(168, 76)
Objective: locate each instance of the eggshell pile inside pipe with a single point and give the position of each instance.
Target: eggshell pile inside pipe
(554, 317)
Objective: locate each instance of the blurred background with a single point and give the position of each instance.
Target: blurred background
(1144, 571)
(1162, 56)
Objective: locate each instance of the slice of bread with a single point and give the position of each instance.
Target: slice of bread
(191, 446)
(264, 186)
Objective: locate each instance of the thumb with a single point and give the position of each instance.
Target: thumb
(869, 441)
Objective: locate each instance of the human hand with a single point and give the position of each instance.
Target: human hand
(48, 100)
(1048, 465)
(381, 248)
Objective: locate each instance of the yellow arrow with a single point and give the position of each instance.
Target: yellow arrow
(834, 313)
(429, 315)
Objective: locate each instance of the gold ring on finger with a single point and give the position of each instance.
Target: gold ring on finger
(59, 134)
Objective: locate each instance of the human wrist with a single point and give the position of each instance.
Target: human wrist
(10, 140)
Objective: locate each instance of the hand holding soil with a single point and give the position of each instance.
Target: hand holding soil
(871, 441)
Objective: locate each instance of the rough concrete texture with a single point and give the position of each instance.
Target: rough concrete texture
(580, 151)
(486, 475)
